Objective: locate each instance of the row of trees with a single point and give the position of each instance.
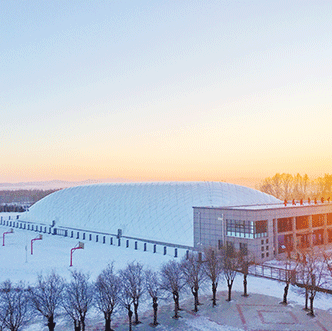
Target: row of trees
(310, 271)
(287, 186)
(123, 290)
(113, 291)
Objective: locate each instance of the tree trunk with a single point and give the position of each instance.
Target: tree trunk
(136, 312)
(284, 301)
(311, 305)
(51, 324)
(107, 321)
(77, 326)
(130, 314)
(229, 284)
(176, 304)
(245, 294)
(155, 311)
(195, 294)
(214, 291)
(83, 324)
(306, 299)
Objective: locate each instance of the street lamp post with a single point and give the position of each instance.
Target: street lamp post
(40, 237)
(3, 236)
(80, 246)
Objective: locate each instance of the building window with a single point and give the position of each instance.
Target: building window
(318, 220)
(262, 255)
(240, 229)
(246, 229)
(285, 224)
(303, 240)
(285, 243)
(244, 248)
(302, 222)
(229, 248)
(329, 219)
(267, 248)
(267, 241)
(260, 229)
(267, 254)
(318, 237)
(329, 235)
(262, 242)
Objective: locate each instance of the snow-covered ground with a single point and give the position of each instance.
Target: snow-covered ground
(53, 252)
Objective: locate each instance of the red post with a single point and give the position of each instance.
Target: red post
(80, 246)
(3, 236)
(40, 237)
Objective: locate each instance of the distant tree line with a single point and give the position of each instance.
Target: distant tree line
(10, 197)
(286, 186)
(11, 208)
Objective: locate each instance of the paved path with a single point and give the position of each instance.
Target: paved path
(254, 313)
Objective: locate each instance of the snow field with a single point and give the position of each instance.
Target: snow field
(53, 252)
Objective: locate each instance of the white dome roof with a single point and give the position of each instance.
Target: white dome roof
(160, 211)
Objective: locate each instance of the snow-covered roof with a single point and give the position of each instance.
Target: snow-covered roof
(160, 211)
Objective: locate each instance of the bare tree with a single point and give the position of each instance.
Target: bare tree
(304, 279)
(245, 259)
(152, 285)
(314, 272)
(301, 185)
(132, 278)
(213, 270)
(194, 275)
(126, 301)
(290, 268)
(14, 306)
(286, 186)
(324, 185)
(230, 267)
(107, 294)
(272, 186)
(327, 256)
(46, 296)
(172, 281)
(72, 313)
(78, 298)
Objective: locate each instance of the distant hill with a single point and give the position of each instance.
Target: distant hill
(55, 184)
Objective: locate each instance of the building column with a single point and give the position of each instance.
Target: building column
(325, 236)
(311, 232)
(294, 233)
(275, 236)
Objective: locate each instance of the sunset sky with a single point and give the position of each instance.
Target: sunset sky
(164, 90)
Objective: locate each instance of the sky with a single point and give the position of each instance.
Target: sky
(164, 90)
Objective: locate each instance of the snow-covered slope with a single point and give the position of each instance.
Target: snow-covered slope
(159, 211)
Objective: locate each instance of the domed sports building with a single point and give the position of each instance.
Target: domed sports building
(157, 211)
(181, 215)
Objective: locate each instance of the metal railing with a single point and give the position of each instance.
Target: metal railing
(96, 236)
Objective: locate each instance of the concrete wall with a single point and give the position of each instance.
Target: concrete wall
(210, 226)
